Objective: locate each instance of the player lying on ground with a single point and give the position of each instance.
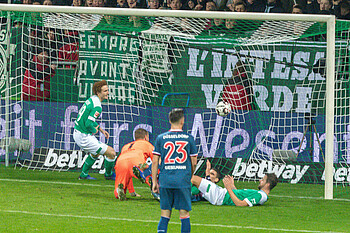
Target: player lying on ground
(230, 195)
(131, 155)
(85, 128)
(211, 174)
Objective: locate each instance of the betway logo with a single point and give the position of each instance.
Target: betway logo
(257, 170)
(69, 159)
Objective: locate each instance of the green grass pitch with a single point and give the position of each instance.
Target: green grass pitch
(41, 201)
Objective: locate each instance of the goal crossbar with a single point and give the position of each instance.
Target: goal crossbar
(166, 13)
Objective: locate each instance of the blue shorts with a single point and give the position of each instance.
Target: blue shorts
(179, 199)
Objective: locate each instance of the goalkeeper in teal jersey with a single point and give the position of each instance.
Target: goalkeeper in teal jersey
(230, 195)
(85, 128)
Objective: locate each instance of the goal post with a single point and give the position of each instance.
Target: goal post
(287, 84)
(330, 64)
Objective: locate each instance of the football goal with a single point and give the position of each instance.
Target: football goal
(284, 77)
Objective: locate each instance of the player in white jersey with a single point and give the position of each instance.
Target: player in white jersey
(85, 128)
(230, 195)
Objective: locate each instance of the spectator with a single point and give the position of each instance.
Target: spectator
(325, 7)
(190, 4)
(77, 3)
(153, 4)
(137, 3)
(297, 9)
(230, 23)
(122, 4)
(239, 6)
(230, 4)
(132, 3)
(217, 27)
(255, 6)
(36, 80)
(200, 5)
(273, 6)
(47, 3)
(88, 3)
(36, 3)
(53, 42)
(210, 6)
(98, 3)
(110, 3)
(238, 91)
(175, 4)
(287, 5)
(27, 2)
(312, 6)
(220, 4)
(342, 9)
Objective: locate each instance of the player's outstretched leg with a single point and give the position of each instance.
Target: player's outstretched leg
(139, 174)
(120, 191)
(84, 175)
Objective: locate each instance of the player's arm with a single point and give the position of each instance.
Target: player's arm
(193, 153)
(104, 132)
(193, 163)
(230, 185)
(207, 170)
(155, 164)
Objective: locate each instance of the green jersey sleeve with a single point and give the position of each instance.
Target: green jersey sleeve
(251, 196)
(194, 190)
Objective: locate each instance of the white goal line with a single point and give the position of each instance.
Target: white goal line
(112, 185)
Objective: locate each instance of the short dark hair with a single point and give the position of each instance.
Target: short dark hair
(272, 180)
(175, 115)
(98, 85)
(219, 175)
(140, 133)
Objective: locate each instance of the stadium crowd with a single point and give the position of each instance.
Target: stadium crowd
(340, 8)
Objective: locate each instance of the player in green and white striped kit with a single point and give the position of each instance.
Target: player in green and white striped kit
(230, 195)
(85, 128)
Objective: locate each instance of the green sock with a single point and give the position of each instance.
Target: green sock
(89, 161)
(109, 164)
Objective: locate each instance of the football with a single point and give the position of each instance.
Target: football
(223, 108)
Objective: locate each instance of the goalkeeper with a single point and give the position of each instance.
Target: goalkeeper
(85, 128)
(132, 155)
(230, 195)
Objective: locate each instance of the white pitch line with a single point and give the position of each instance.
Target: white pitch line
(156, 221)
(146, 187)
(63, 183)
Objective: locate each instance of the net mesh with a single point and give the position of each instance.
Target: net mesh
(272, 73)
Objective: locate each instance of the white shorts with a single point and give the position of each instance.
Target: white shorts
(89, 143)
(212, 192)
